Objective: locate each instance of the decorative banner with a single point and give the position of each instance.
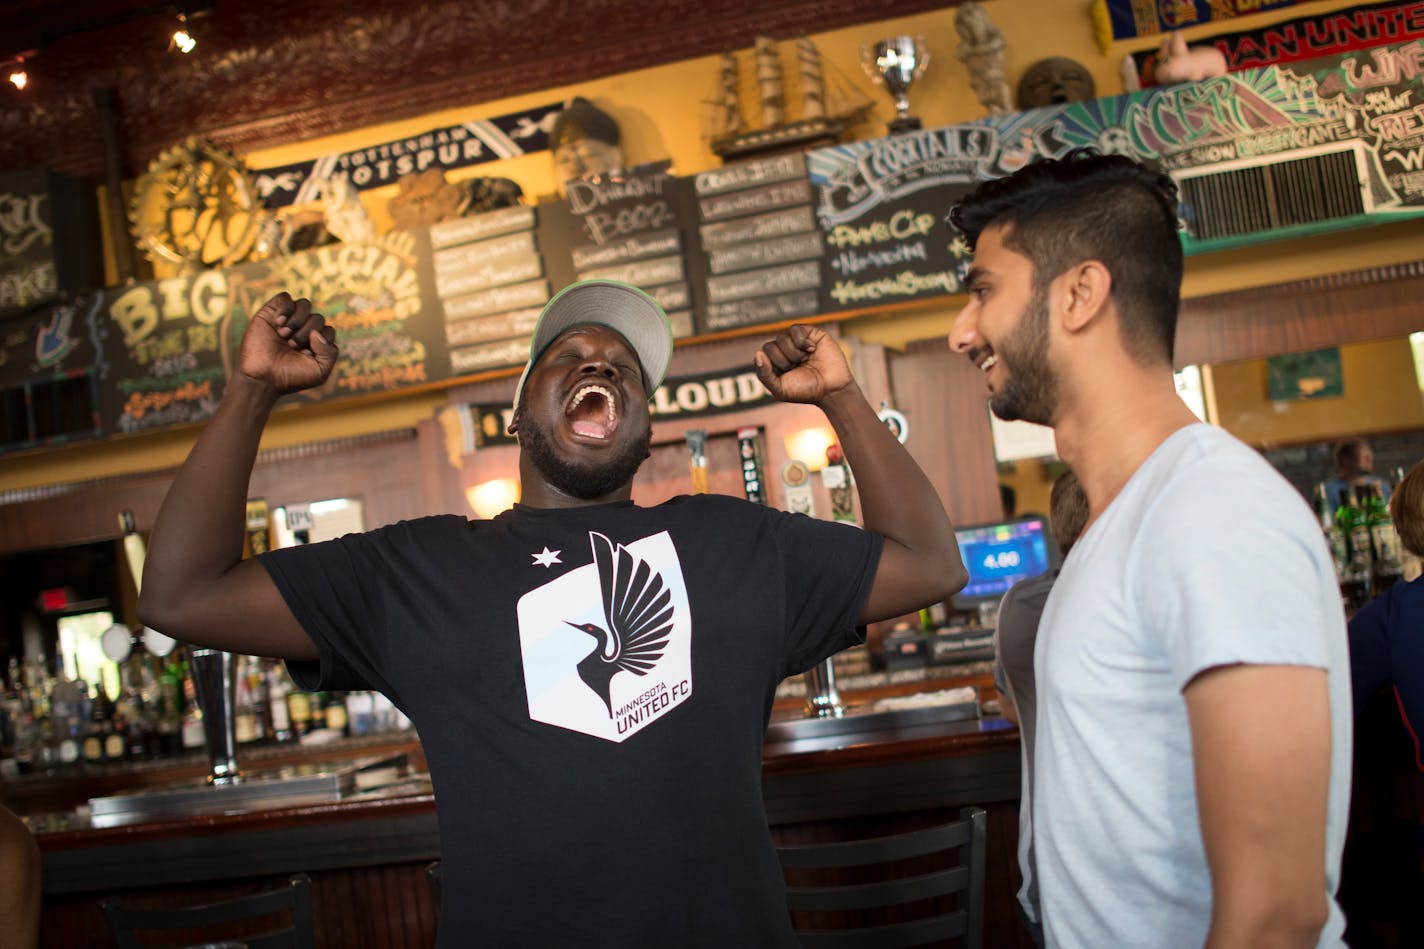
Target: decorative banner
(749, 449)
(1124, 19)
(455, 146)
(1306, 37)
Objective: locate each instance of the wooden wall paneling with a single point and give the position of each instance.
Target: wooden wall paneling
(943, 398)
(383, 471)
(1380, 303)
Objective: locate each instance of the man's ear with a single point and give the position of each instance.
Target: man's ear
(1085, 290)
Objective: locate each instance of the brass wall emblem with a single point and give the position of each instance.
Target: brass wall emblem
(196, 207)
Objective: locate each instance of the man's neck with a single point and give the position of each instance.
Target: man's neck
(1107, 430)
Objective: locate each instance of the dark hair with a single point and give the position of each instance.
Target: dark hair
(1067, 511)
(1086, 206)
(1406, 509)
(1350, 451)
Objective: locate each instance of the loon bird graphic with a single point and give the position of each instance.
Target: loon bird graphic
(637, 606)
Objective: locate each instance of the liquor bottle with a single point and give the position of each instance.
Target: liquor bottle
(336, 718)
(243, 718)
(191, 732)
(261, 699)
(1339, 546)
(1350, 518)
(278, 688)
(299, 712)
(100, 726)
(318, 711)
(1388, 569)
(67, 725)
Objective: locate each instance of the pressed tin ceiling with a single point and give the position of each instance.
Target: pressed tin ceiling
(265, 74)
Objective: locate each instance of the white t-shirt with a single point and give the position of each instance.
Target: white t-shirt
(1206, 558)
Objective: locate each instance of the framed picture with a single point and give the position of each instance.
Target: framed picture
(1312, 375)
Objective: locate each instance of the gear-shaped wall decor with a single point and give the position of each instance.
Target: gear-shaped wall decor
(196, 207)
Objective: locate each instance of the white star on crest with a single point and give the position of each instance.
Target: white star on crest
(547, 558)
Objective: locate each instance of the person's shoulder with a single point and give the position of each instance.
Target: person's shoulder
(419, 529)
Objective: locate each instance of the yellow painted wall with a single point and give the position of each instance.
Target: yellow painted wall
(660, 113)
(1380, 386)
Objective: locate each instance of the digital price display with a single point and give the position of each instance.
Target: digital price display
(999, 555)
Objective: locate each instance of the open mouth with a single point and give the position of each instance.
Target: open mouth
(983, 358)
(592, 411)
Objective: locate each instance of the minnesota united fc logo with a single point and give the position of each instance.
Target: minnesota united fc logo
(637, 609)
(607, 647)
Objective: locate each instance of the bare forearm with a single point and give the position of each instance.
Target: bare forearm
(1267, 926)
(198, 534)
(896, 498)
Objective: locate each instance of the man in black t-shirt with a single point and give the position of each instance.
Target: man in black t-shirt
(590, 679)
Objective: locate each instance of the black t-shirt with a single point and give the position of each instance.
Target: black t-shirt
(591, 687)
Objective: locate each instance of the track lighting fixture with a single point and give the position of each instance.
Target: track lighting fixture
(183, 40)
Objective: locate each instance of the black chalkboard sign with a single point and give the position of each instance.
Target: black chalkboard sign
(880, 205)
(760, 243)
(170, 345)
(49, 240)
(637, 227)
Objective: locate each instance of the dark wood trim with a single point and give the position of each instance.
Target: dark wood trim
(1375, 303)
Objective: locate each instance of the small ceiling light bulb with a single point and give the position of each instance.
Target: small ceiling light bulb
(18, 77)
(183, 41)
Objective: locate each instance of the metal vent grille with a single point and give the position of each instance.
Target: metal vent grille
(1266, 197)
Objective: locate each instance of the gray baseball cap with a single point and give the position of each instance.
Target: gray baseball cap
(621, 307)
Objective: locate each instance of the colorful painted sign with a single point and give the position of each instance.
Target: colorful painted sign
(1307, 37)
(1125, 19)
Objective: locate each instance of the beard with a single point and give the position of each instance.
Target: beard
(587, 482)
(1030, 392)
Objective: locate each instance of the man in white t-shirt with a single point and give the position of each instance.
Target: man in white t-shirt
(1191, 770)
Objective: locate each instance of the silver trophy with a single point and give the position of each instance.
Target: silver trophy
(896, 63)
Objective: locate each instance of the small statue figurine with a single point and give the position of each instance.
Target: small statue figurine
(1056, 80)
(346, 216)
(1178, 63)
(981, 50)
(585, 143)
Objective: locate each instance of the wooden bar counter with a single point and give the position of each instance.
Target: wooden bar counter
(367, 854)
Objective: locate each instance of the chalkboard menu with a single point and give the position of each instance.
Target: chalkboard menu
(49, 240)
(170, 345)
(881, 205)
(489, 275)
(761, 241)
(633, 227)
(47, 360)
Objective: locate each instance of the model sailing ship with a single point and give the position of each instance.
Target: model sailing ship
(823, 116)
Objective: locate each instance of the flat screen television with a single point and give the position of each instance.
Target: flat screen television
(1000, 554)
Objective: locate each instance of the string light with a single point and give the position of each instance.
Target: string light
(182, 40)
(19, 77)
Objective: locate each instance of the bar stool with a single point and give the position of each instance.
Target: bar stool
(186, 925)
(838, 909)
